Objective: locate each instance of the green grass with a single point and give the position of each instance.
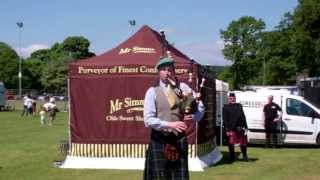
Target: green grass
(17, 104)
(27, 151)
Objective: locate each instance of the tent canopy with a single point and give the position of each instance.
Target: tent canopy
(143, 48)
(107, 91)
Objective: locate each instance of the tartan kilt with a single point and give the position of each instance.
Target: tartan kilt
(157, 167)
(237, 137)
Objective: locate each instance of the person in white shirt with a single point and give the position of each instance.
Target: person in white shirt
(50, 108)
(25, 100)
(29, 104)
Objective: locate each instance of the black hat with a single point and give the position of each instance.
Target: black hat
(232, 95)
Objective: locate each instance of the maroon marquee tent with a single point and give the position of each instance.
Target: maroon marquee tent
(107, 93)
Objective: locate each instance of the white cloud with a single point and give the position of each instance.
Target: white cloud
(168, 30)
(205, 52)
(26, 51)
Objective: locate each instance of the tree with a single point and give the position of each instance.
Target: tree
(279, 67)
(242, 40)
(9, 62)
(225, 75)
(306, 22)
(57, 59)
(77, 46)
(54, 77)
(46, 68)
(42, 55)
(32, 70)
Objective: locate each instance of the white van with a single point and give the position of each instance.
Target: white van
(300, 119)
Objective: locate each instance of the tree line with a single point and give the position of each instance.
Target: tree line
(45, 69)
(274, 57)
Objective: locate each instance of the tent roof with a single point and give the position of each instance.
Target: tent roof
(142, 48)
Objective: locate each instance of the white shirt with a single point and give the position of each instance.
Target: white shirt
(48, 106)
(29, 102)
(25, 99)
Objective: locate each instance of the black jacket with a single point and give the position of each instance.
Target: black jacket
(233, 117)
(271, 112)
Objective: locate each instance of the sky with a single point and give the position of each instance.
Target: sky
(192, 26)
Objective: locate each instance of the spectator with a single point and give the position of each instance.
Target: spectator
(236, 127)
(25, 100)
(270, 112)
(52, 109)
(34, 105)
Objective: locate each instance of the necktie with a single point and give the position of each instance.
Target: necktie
(172, 97)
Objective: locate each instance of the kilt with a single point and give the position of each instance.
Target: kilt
(156, 165)
(237, 137)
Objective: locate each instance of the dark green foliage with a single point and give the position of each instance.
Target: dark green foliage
(77, 46)
(32, 70)
(273, 57)
(9, 64)
(307, 37)
(45, 69)
(54, 76)
(42, 55)
(242, 41)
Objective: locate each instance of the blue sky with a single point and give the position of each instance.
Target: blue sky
(193, 26)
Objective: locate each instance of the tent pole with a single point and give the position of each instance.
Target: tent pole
(221, 120)
(69, 108)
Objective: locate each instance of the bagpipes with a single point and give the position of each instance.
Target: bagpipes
(188, 103)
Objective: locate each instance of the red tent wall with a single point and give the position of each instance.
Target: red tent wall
(107, 92)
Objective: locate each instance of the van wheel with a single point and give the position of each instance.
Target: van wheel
(318, 140)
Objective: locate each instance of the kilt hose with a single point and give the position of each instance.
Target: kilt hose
(156, 164)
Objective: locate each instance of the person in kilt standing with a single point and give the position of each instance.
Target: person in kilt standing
(167, 154)
(236, 127)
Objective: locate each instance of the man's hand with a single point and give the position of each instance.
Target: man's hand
(178, 126)
(276, 119)
(198, 96)
(246, 132)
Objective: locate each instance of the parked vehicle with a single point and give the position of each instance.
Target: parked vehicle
(310, 89)
(300, 122)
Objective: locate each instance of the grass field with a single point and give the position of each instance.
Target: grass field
(28, 151)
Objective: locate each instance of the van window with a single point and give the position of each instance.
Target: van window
(297, 108)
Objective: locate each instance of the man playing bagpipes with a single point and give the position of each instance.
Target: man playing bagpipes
(165, 113)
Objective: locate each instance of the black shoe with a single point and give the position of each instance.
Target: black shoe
(245, 158)
(232, 158)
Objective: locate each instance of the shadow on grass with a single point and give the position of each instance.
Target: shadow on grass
(58, 124)
(225, 159)
(289, 146)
